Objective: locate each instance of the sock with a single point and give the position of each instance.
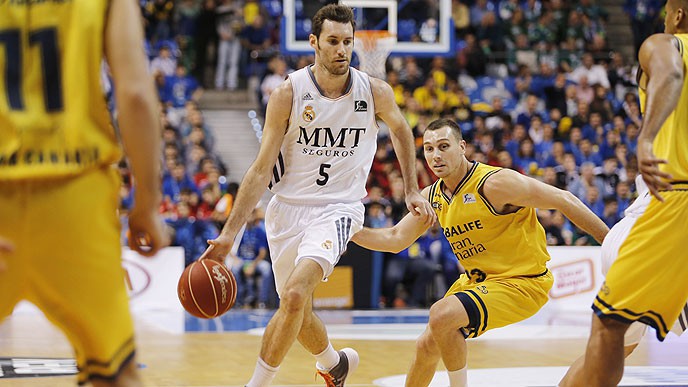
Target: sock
(458, 378)
(262, 375)
(327, 359)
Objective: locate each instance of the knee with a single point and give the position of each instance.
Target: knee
(293, 300)
(440, 317)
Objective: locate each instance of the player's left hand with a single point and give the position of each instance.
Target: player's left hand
(5, 247)
(419, 206)
(648, 166)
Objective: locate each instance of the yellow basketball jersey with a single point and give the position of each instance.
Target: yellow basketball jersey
(489, 244)
(53, 114)
(671, 142)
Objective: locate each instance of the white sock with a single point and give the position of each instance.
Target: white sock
(263, 374)
(458, 378)
(327, 359)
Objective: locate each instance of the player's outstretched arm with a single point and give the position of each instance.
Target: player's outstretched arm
(402, 139)
(138, 122)
(661, 62)
(394, 239)
(510, 188)
(258, 174)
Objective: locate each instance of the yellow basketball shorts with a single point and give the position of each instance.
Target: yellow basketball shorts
(496, 303)
(67, 261)
(647, 282)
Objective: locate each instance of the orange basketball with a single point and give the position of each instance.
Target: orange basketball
(207, 289)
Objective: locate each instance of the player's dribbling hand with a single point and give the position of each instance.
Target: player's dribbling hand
(218, 248)
(648, 166)
(418, 206)
(147, 232)
(5, 247)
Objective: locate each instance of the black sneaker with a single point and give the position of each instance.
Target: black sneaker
(348, 362)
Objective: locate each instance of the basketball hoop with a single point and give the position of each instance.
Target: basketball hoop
(373, 47)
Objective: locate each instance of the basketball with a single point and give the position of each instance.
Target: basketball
(207, 289)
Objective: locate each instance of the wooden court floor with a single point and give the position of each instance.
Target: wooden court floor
(228, 359)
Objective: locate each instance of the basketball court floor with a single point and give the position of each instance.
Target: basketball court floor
(175, 349)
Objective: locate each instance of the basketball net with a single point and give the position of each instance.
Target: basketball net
(373, 47)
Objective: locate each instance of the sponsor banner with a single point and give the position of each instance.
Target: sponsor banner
(152, 282)
(338, 291)
(577, 275)
(19, 367)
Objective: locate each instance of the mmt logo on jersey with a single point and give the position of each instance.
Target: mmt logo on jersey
(360, 106)
(326, 138)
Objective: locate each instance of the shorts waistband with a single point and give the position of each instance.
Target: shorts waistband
(309, 203)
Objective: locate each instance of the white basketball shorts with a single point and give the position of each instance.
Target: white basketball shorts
(318, 232)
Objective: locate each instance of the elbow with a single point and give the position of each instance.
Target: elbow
(134, 95)
(394, 243)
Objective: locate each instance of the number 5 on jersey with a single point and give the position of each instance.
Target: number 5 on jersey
(323, 172)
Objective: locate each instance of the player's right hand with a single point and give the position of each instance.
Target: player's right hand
(218, 248)
(147, 232)
(5, 247)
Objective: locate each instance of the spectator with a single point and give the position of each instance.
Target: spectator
(229, 25)
(609, 177)
(593, 72)
(164, 63)
(586, 153)
(252, 254)
(526, 160)
(411, 267)
(255, 40)
(643, 15)
(179, 89)
(600, 103)
(160, 19)
(555, 94)
(580, 186)
(205, 40)
(594, 201)
(278, 70)
(176, 181)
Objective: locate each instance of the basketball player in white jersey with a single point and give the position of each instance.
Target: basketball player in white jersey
(610, 251)
(317, 149)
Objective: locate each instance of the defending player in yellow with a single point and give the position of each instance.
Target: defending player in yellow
(647, 281)
(488, 216)
(58, 187)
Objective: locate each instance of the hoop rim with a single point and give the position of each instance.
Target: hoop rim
(374, 34)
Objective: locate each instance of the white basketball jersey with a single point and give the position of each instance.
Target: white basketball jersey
(329, 145)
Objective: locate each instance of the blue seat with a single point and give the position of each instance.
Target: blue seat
(510, 84)
(274, 7)
(486, 82)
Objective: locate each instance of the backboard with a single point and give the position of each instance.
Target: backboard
(422, 27)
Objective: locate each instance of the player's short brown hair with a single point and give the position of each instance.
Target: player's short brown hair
(446, 122)
(333, 12)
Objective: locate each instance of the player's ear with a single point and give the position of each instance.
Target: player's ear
(313, 41)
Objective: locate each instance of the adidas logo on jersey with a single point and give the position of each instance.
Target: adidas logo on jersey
(468, 198)
(307, 97)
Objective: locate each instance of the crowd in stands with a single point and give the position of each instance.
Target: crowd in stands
(533, 85)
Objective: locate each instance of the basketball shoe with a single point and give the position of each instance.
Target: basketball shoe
(348, 362)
